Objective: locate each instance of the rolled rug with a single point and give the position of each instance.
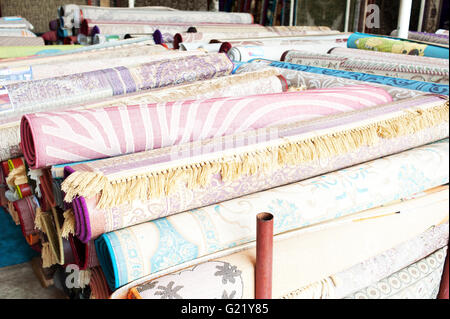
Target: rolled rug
(391, 57)
(391, 69)
(13, 169)
(149, 14)
(245, 53)
(395, 259)
(380, 266)
(44, 202)
(81, 254)
(123, 27)
(322, 46)
(73, 39)
(425, 37)
(7, 32)
(52, 246)
(59, 197)
(385, 44)
(102, 38)
(83, 50)
(368, 273)
(69, 15)
(69, 257)
(57, 69)
(20, 41)
(50, 36)
(296, 30)
(301, 79)
(442, 31)
(99, 287)
(4, 170)
(210, 27)
(162, 38)
(208, 36)
(305, 28)
(23, 51)
(97, 52)
(3, 200)
(77, 88)
(257, 82)
(410, 281)
(97, 212)
(15, 22)
(316, 251)
(208, 47)
(84, 254)
(17, 180)
(49, 220)
(175, 123)
(113, 26)
(238, 85)
(420, 280)
(260, 31)
(46, 187)
(44, 196)
(204, 109)
(426, 87)
(137, 251)
(338, 39)
(63, 32)
(26, 210)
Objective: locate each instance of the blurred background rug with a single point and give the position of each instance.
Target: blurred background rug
(13, 247)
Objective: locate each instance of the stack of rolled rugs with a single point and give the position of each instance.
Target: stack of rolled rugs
(144, 167)
(18, 40)
(173, 28)
(16, 31)
(16, 37)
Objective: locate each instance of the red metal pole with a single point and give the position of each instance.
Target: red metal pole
(443, 290)
(264, 255)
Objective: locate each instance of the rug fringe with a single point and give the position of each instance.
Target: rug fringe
(17, 176)
(48, 258)
(289, 153)
(85, 278)
(69, 224)
(323, 289)
(14, 215)
(37, 219)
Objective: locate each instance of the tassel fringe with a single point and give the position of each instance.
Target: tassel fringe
(69, 224)
(17, 176)
(289, 153)
(85, 277)
(14, 215)
(37, 219)
(48, 258)
(297, 88)
(323, 289)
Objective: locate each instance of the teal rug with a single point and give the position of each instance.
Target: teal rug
(14, 249)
